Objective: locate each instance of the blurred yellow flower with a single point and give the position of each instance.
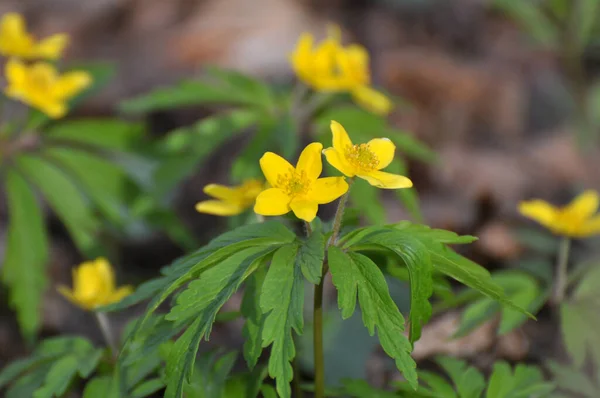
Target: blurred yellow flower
(299, 188)
(577, 219)
(331, 67)
(94, 285)
(230, 200)
(364, 160)
(15, 41)
(41, 87)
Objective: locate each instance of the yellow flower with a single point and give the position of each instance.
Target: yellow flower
(15, 41)
(299, 188)
(364, 160)
(577, 219)
(331, 67)
(94, 285)
(41, 87)
(230, 200)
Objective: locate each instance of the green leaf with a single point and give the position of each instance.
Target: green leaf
(201, 301)
(106, 184)
(408, 196)
(147, 388)
(311, 256)
(530, 16)
(354, 274)
(572, 380)
(282, 299)
(26, 253)
(520, 288)
(268, 391)
(415, 256)
(210, 375)
(216, 285)
(574, 323)
(411, 146)
(246, 165)
(193, 93)
(362, 121)
(365, 198)
(254, 316)
(107, 133)
(28, 384)
(64, 198)
(98, 387)
(13, 370)
(472, 275)
(244, 385)
(58, 378)
(362, 389)
(287, 135)
(188, 146)
(438, 384)
(188, 267)
(256, 91)
(587, 16)
(501, 382)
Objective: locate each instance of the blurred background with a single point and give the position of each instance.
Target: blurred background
(511, 115)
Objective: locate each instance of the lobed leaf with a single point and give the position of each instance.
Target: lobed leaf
(282, 299)
(65, 199)
(201, 301)
(356, 275)
(311, 256)
(254, 316)
(26, 253)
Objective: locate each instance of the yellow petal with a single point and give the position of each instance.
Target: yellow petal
(220, 192)
(539, 210)
(16, 73)
(310, 161)
(302, 53)
(119, 294)
(591, 227)
(105, 273)
(341, 140)
(71, 84)
(583, 206)
(272, 165)
(353, 64)
(304, 210)
(14, 39)
(339, 162)
(219, 208)
(372, 100)
(51, 47)
(381, 179)
(54, 109)
(327, 189)
(272, 202)
(69, 295)
(384, 149)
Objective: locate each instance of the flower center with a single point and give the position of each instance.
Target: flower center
(361, 156)
(293, 183)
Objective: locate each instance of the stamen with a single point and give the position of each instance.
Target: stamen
(293, 183)
(361, 156)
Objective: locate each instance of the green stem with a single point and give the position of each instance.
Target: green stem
(104, 324)
(318, 339)
(560, 286)
(318, 303)
(339, 214)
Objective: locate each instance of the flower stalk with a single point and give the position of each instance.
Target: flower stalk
(105, 328)
(560, 286)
